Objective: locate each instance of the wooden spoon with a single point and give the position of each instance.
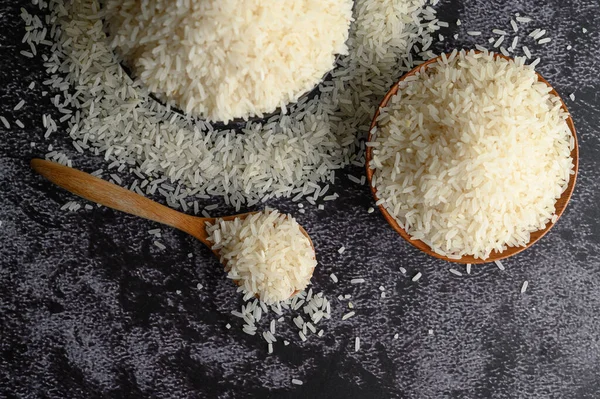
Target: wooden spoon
(561, 203)
(108, 194)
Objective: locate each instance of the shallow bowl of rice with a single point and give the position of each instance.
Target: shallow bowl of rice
(393, 212)
(226, 60)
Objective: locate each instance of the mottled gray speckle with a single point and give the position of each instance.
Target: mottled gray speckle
(89, 306)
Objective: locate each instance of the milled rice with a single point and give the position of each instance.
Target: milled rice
(266, 254)
(226, 59)
(471, 155)
(287, 155)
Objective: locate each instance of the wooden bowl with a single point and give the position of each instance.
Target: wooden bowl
(561, 203)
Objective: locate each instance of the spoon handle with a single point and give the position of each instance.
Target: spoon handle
(119, 198)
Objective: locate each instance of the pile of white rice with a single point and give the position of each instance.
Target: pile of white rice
(293, 155)
(226, 59)
(471, 155)
(267, 254)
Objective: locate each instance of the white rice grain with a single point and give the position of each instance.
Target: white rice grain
(500, 265)
(5, 122)
(19, 105)
(348, 315)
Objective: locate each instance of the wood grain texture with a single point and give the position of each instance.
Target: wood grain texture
(108, 194)
(561, 203)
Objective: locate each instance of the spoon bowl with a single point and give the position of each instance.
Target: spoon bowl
(108, 194)
(560, 206)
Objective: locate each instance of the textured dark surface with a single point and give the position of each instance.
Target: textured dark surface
(89, 307)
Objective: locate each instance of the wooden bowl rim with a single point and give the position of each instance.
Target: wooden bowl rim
(561, 203)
